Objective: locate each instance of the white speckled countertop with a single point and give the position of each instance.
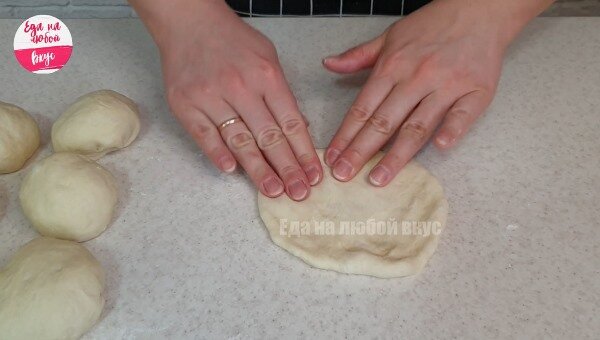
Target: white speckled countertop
(188, 257)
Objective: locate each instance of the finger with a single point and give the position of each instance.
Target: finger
(206, 135)
(460, 118)
(368, 100)
(378, 129)
(272, 143)
(241, 143)
(357, 58)
(281, 102)
(413, 134)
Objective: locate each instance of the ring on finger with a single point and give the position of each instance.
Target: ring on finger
(229, 122)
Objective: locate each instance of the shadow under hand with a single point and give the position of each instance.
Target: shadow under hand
(3, 201)
(354, 80)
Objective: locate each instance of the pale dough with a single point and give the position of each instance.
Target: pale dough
(96, 124)
(414, 200)
(51, 289)
(19, 137)
(69, 196)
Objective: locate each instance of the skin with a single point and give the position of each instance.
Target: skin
(216, 67)
(437, 68)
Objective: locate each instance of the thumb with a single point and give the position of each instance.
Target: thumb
(357, 58)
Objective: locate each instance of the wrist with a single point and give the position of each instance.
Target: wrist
(516, 14)
(497, 21)
(506, 17)
(166, 20)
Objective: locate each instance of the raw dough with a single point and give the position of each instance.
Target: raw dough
(51, 289)
(96, 124)
(19, 137)
(69, 196)
(356, 234)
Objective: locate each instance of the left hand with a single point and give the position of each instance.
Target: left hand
(439, 65)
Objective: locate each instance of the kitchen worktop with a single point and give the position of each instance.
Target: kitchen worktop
(187, 255)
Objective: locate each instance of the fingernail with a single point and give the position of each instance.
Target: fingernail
(331, 156)
(313, 175)
(379, 176)
(273, 187)
(227, 164)
(298, 190)
(342, 170)
(442, 140)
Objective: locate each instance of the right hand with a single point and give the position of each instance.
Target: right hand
(216, 67)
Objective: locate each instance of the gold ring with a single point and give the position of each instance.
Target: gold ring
(229, 122)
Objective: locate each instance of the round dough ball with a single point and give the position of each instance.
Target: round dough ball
(96, 124)
(19, 137)
(69, 196)
(50, 289)
(357, 228)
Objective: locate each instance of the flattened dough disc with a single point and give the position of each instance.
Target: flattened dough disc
(356, 212)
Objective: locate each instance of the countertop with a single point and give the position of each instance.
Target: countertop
(187, 255)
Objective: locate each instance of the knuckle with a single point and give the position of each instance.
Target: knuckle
(201, 131)
(239, 140)
(233, 80)
(381, 124)
(340, 142)
(392, 64)
(359, 113)
(415, 130)
(431, 61)
(270, 138)
(461, 73)
(292, 126)
(353, 153)
(308, 158)
(430, 67)
(203, 89)
(289, 171)
(459, 114)
(267, 68)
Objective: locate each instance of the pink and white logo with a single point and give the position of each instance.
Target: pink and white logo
(43, 44)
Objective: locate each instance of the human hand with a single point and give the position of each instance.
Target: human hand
(216, 68)
(438, 66)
